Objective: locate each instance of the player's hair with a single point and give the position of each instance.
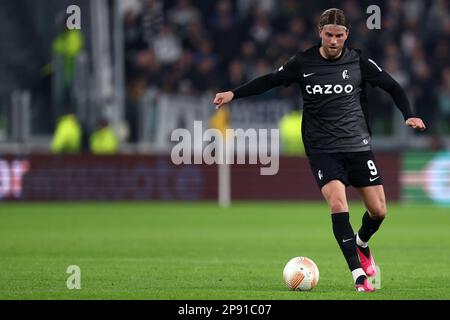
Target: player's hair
(333, 16)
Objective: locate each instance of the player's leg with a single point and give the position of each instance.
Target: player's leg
(330, 173)
(375, 202)
(366, 178)
(334, 194)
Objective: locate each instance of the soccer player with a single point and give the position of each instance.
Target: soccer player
(336, 134)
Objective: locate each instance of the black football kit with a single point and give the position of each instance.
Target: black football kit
(335, 127)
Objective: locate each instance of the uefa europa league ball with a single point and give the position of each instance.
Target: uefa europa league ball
(301, 274)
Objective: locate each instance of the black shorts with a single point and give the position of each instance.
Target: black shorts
(357, 169)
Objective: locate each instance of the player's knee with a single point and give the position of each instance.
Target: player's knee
(338, 206)
(379, 211)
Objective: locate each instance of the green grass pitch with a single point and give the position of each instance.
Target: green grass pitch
(200, 251)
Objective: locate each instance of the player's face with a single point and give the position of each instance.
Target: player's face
(333, 40)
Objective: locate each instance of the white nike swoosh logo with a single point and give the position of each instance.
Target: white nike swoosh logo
(347, 240)
(307, 75)
(373, 179)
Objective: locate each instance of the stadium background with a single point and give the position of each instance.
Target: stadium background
(149, 67)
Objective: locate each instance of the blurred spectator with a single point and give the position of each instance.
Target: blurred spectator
(204, 77)
(103, 141)
(297, 28)
(205, 51)
(270, 7)
(223, 11)
(151, 20)
(394, 69)
(438, 20)
(291, 133)
(183, 70)
(132, 32)
(136, 90)
(352, 11)
(413, 9)
(409, 36)
(261, 29)
(226, 34)
(194, 36)
(262, 67)
(183, 14)
(236, 74)
(425, 104)
(191, 47)
(392, 51)
(248, 54)
(441, 54)
(68, 135)
(167, 46)
(66, 48)
(290, 8)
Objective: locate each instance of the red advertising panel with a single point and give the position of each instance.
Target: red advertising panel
(137, 177)
(294, 180)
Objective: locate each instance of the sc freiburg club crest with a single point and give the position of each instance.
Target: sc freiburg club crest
(345, 75)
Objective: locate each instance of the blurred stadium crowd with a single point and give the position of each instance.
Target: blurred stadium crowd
(195, 47)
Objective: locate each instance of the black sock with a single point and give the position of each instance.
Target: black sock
(365, 251)
(345, 237)
(369, 227)
(360, 279)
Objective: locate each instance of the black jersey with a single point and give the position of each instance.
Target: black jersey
(335, 104)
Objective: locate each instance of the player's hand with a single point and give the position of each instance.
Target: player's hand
(223, 98)
(415, 123)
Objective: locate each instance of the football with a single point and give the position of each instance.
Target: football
(301, 274)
